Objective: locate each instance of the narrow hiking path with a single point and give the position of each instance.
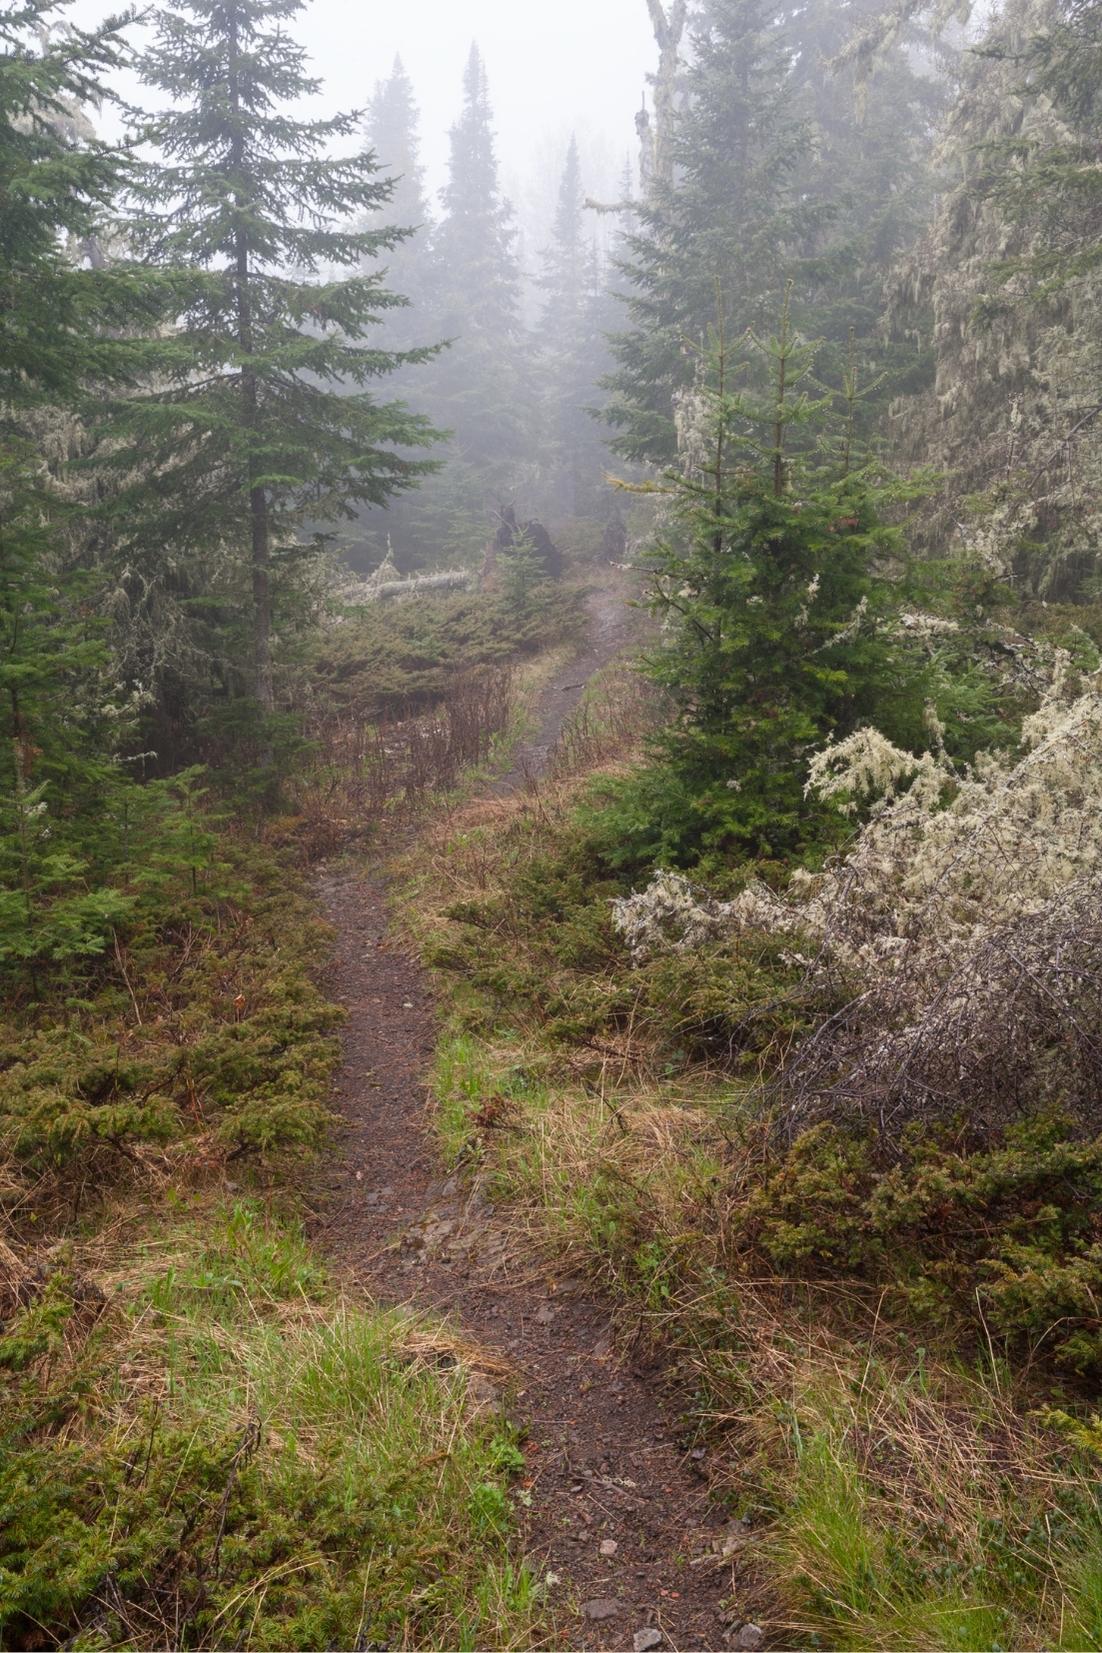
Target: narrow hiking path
(619, 1513)
(608, 635)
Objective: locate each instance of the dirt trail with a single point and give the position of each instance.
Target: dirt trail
(619, 1512)
(608, 635)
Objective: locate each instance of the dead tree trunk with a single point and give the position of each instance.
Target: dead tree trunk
(668, 19)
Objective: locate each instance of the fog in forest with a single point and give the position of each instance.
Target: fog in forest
(551, 825)
(574, 66)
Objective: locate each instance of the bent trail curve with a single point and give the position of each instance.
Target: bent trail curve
(618, 1512)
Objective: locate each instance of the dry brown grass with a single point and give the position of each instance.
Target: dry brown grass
(364, 774)
(620, 708)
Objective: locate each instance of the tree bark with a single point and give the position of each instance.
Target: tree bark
(669, 31)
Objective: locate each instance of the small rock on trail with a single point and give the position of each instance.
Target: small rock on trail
(603, 1607)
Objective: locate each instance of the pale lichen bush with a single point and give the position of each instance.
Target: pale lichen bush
(668, 916)
(965, 918)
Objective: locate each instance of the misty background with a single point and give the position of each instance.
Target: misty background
(572, 67)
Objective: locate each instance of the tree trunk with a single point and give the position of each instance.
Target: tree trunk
(669, 31)
(261, 540)
(262, 600)
(21, 771)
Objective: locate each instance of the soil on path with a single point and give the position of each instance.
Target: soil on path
(619, 1513)
(608, 635)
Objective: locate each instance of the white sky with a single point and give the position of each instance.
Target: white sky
(554, 66)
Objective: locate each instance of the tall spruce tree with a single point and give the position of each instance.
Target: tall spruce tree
(392, 130)
(477, 389)
(63, 311)
(573, 352)
(872, 174)
(64, 340)
(784, 167)
(253, 436)
(1006, 287)
(727, 208)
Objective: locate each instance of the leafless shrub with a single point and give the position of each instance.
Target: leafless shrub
(610, 721)
(969, 909)
(962, 928)
(366, 773)
(1014, 1024)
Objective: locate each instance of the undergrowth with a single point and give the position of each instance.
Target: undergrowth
(201, 1443)
(206, 1034)
(888, 1347)
(406, 700)
(204, 1447)
(387, 659)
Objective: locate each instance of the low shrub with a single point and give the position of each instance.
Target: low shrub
(386, 662)
(559, 959)
(205, 1022)
(1003, 1237)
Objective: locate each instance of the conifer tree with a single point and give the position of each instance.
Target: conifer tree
(1006, 287)
(871, 173)
(63, 341)
(253, 434)
(1052, 182)
(392, 129)
(727, 208)
(783, 168)
(476, 388)
(56, 180)
(573, 351)
(765, 575)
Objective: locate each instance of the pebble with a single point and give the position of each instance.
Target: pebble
(644, 1640)
(601, 1608)
(750, 1638)
(609, 1546)
(483, 1395)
